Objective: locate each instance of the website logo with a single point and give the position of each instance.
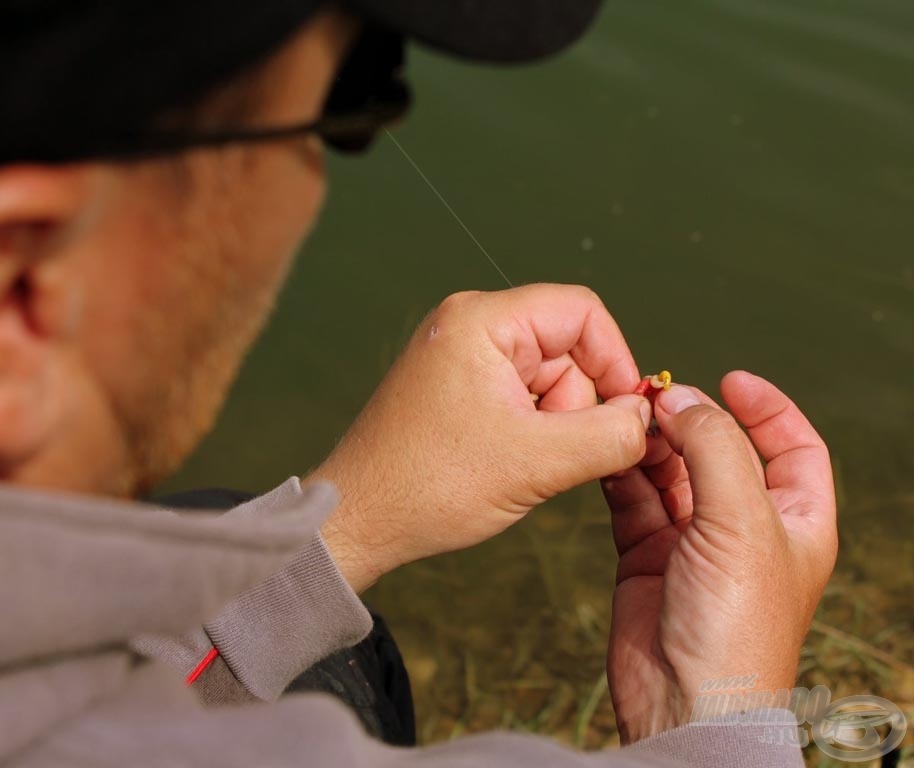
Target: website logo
(854, 729)
(848, 731)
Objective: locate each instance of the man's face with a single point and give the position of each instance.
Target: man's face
(129, 293)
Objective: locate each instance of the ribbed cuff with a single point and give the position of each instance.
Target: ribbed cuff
(768, 741)
(275, 631)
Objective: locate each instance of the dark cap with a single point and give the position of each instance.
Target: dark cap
(486, 30)
(75, 71)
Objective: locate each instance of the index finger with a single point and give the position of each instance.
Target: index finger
(545, 321)
(796, 455)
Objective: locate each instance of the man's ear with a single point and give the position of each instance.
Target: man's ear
(40, 209)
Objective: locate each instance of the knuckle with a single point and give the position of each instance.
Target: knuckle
(826, 452)
(453, 309)
(456, 303)
(631, 439)
(832, 546)
(567, 291)
(713, 421)
(586, 294)
(593, 296)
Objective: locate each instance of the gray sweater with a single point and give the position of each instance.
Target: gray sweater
(105, 607)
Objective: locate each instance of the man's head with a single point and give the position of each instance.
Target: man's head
(130, 290)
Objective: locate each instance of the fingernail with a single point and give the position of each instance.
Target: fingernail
(677, 399)
(647, 413)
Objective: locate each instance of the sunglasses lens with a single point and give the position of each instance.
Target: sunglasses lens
(356, 132)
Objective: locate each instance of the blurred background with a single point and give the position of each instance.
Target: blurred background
(736, 179)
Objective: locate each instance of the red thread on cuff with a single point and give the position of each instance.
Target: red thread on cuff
(201, 667)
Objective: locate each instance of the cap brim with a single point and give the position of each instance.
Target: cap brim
(497, 31)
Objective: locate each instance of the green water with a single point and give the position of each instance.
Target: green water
(734, 177)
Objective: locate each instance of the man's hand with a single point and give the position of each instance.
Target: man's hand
(722, 562)
(452, 449)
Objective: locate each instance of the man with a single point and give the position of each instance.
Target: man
(158, 166)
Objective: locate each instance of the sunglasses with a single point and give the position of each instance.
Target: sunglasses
(368, 94)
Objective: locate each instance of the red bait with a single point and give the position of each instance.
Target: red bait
(650, 386)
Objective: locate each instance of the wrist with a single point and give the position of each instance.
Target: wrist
(360, 554)
(350, 557)
(649, 716)
(719, 698)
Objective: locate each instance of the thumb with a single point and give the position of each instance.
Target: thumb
(726, 488)
(590, 443)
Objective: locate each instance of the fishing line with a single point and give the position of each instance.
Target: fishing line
(447, 205)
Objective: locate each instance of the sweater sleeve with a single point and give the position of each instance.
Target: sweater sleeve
(767, 737)
(270, 634)
(318, 731)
